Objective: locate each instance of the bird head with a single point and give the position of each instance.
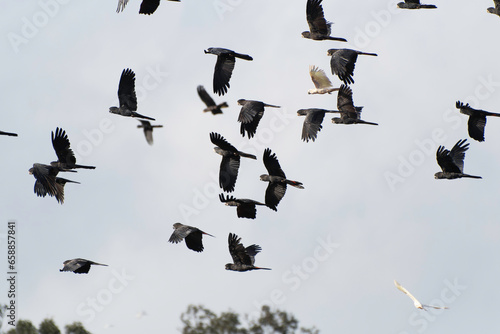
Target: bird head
(264, 177)
(114, 110)
(241, 102)
(306, 34)
(31, 170)
(491, 10)
(209, 50)
(401, 5)
(331, 52)
(439, 175)
(229, 266)
(177, 225)
(337, 120)
(302, 112)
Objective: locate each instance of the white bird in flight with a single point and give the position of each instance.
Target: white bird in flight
(415, 300)
(321, 82)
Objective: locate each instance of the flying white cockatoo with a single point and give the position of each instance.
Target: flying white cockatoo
(415, 301)
(321, 82)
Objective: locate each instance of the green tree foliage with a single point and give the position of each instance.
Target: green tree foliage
(200, 320)
(23, 327)
(76, 328)
(48, 326)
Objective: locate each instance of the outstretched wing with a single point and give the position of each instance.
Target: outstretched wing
(345, 103)
(312, 124)
(148, 7)
(222, 73)
(476, 125)
(401, 288)
(274, 193)
(126, 90)
(316, 18)
(342, 64)
(319, 78)
(272, 164)
(457, 153)
(207, 99)
(61, 144)
(452, 161)
(121, 5)
(237, 251)
(221, 142)
(193, 240)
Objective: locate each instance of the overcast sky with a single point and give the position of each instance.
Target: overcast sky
(371, 210)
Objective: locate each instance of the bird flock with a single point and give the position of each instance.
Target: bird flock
(342, 63)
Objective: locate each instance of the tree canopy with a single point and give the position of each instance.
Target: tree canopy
(199, 320)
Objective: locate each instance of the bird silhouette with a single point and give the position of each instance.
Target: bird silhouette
(230, 164)
(250, 114)
(65, 156)
(277, 180)
(319, 28)
(413, 4)
(312, 122)
(349, 114)
(127, 97)
(415, 301)
(243, 258)
(452, 162)
(148, 7)
(342, 63)
(245, 208)
(224, 67)
(209, 102)
(191, 235)
(148, 130)
(321, 82)
(477, 120)
(79, 266)
(47, 182)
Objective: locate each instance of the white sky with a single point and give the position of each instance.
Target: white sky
(427, 234)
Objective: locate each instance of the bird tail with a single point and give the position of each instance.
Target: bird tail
(60, 179)
(142, 116)
(207, 234)
(295, 184)
(83, 166)
(365, 122)
(247, 155)
(8, 134)
(428, 6)
(472, 176)
(368, 54)
(340, 39)
(492, 114)
(270, 105)
(435, 307)
(261, 268)
(242, 56)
